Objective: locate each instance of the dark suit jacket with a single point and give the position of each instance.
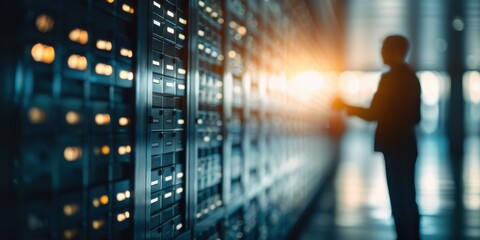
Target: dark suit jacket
(396, 108)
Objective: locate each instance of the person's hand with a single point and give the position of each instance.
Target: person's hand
(338, 104)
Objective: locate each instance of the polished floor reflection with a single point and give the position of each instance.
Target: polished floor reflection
(355, 204)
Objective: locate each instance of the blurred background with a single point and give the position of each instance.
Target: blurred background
(444, 51)
(209, 119)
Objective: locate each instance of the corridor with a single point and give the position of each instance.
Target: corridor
(355, 203)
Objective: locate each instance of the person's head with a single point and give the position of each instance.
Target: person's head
(395, 49)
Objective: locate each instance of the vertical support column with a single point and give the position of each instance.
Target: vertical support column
(413, 20)
(456, 119)
(456, 113)
(192, 113)
(141, 101)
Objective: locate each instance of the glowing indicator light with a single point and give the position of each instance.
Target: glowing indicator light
(182, 21)
(122, 150)
(126, 75)
(43, 53)
(102, 119)
(123, 216)
(232, 54)
(104, 200)
(105, 150)
(70, 209)
(44, 23)
(104, 45)
(242, 30)
(103, 69)
(122, 196)
(123, 121)
(72, 153)
(126, 52)
(72, 117)
(36, 115)
(97, 224)
(127, 8)
(77, 62)
(79, 36)
(69, 233)
(179, 226)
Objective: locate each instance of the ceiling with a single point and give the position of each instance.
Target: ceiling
(426, 23)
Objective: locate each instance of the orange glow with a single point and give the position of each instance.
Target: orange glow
(122, 150)
(36, 115)
(79, 36)
(43, 53)
(102, 119)
(97, 224)
(72, 153)
(103, 69)
(104, 45)
(72, 117)
(70, 209)
(105, 150)
(44, 23)
(126, 52)
(77, 62)
(127, 8)
(104, 200)
(70, 233)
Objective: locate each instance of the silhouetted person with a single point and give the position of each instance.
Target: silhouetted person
(396, 108)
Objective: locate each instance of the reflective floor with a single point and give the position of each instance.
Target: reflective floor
(355, 204)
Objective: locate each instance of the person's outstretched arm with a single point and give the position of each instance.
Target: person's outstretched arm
(365, 113)
(371, 113)
(361, 112)
(374, 111)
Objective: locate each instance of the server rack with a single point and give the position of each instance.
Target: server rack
(158, 119)
(73, 139)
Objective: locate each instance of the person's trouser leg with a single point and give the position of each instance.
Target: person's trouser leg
(400, 173)
(412, 217)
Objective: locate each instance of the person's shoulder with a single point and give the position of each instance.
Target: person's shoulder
(406, 70)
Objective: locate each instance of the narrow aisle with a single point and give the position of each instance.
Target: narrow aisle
(355, 205)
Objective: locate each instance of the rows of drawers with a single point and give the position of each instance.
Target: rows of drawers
(75, 149)
(167, 118)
